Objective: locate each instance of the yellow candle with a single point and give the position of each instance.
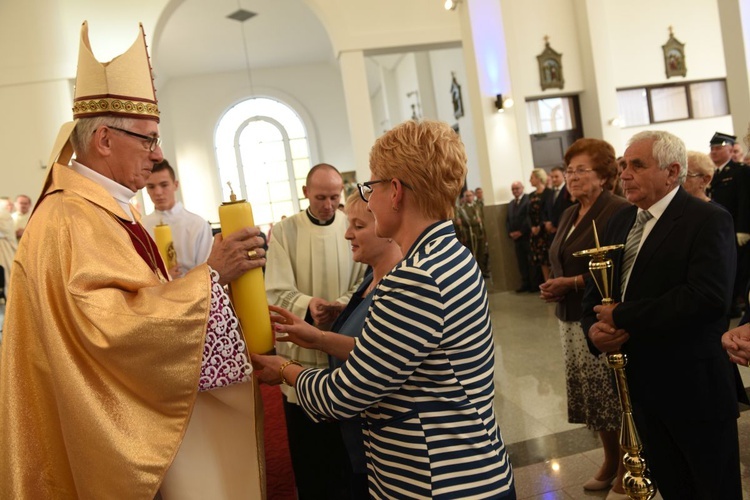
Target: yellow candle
(165, 243)
(248, 291)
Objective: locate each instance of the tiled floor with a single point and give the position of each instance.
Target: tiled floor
(552, 459)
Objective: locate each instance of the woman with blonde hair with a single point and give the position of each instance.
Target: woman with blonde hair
(699, 175)
(538, 240)
(422, 370)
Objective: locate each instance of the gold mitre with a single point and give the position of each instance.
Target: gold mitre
(122, 87)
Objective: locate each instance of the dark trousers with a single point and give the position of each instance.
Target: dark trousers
(691, 460)
(743, 274)
(322, 469)
(523, 256)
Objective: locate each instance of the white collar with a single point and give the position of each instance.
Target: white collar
(658, 208)
(175, 210)
(120, 193)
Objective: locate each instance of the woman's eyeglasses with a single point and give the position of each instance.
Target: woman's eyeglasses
(365, 188)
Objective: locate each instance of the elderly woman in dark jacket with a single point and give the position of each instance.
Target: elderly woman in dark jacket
(592, 399)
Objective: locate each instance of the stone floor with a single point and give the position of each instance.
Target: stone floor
(551, 458)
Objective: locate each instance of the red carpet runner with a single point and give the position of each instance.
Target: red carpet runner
(279, 474)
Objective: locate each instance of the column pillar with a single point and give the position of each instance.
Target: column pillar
(503, 151)
(358, 109)
(734, 18)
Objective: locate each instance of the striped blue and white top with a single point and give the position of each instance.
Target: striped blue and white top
(422, 373)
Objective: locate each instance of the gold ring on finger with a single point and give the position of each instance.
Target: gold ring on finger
(252, 254)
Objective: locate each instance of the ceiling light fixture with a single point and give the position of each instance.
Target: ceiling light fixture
(243, 15)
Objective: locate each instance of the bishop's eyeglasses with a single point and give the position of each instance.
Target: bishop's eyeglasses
(153, 141)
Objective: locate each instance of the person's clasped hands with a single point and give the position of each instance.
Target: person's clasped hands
(324, 312)
(737, 344)
(554, 289)
(604, 334)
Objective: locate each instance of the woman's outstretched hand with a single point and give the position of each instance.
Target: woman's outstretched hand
(290, 328)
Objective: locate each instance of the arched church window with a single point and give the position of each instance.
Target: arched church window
(262, 149)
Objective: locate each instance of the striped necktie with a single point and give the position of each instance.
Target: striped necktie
(632, 244)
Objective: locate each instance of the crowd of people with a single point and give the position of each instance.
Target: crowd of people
(13, 219)
(682, 220)
(119, 374)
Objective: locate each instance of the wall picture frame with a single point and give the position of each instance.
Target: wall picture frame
(550, 68)
(674, 56)
(456, 97)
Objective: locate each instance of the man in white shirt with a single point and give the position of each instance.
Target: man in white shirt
(22, 214)
(191, 234)
(672, 288)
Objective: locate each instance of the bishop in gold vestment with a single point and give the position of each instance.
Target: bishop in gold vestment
(102, 359)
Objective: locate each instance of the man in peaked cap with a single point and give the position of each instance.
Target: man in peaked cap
(105, 361)
(730, 188)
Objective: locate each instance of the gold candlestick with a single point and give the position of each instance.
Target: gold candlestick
(637, 483)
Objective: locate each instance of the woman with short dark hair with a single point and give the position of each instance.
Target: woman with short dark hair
(592, 399)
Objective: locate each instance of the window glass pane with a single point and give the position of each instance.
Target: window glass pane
(300, 183)
(709, 99)
(282, 208)
(277, 171)
(633, 106)
(299, 148)
(257, 192)
(669, 103)
(279, 191)
(228, 172)
(264, 130)
(550, 115)
(273, 151)
(262, 213)
(301, 167)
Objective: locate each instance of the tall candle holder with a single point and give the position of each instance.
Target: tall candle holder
(637, 483)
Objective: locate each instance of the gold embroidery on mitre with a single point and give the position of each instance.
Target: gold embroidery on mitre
(111, 105)
(124, 86)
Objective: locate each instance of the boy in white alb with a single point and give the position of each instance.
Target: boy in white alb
(191, 233)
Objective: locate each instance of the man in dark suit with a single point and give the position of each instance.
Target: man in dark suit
(518, 227)
(730, 188)
(672, 288)
(557, 200)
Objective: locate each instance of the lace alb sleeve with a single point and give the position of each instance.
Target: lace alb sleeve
(225, 360)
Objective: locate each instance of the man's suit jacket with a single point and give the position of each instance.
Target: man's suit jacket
(675, 309)
(730, 188)
(553, 208)
(518, 217)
